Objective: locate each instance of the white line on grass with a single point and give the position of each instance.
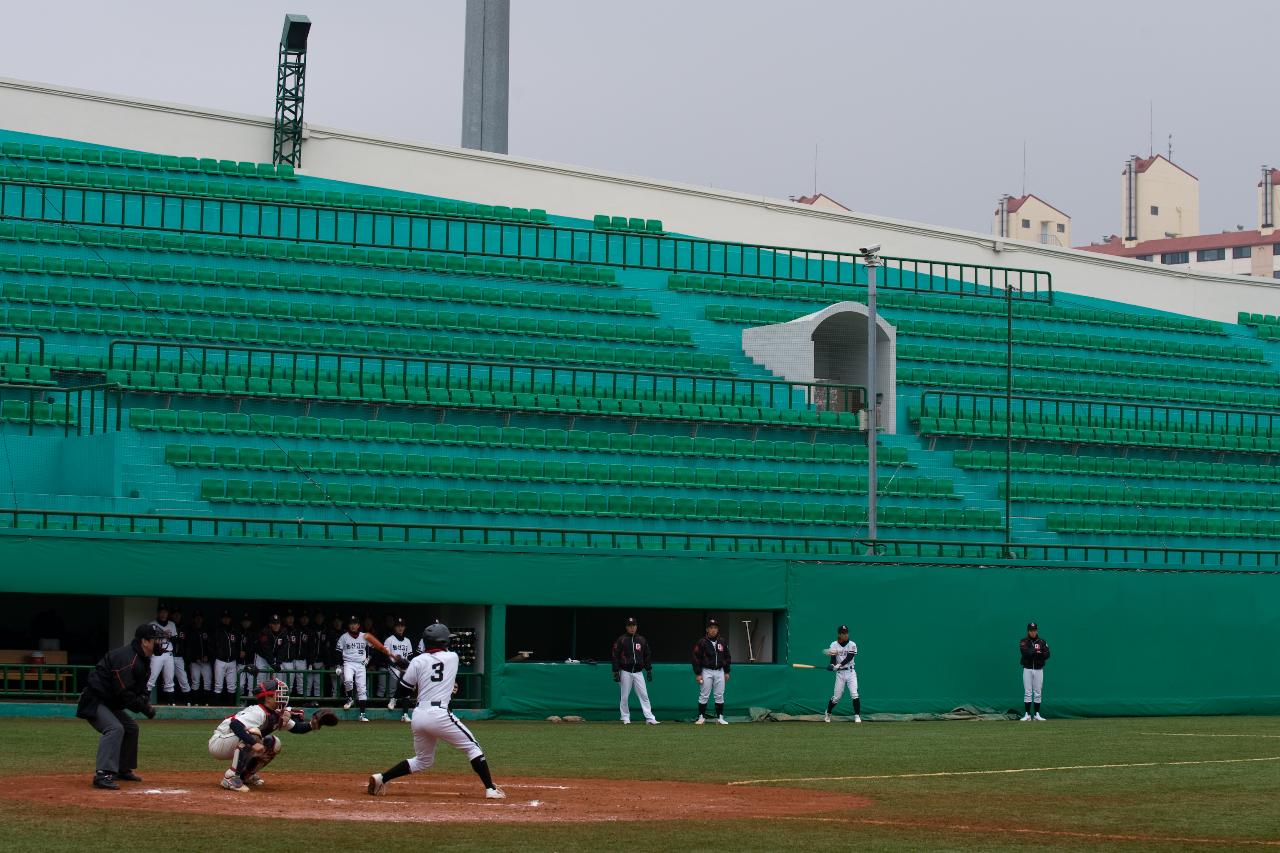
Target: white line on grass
(995, 772)
(1198, 734)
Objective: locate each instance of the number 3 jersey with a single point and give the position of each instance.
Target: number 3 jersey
(433, 674)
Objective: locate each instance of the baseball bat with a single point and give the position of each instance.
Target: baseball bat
(803, 666)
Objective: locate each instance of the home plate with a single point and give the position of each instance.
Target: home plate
(543, 787)
(164, 791)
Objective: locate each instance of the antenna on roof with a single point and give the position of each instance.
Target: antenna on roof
(1024, 167)
(1171, 148)
(815, 168)
(1151, 125)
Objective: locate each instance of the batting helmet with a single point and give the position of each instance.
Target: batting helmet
(273, 688)
(436, 635)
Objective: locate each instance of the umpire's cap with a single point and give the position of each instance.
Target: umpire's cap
(147, 631)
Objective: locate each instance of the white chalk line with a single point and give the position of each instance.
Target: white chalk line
(1061, 833)
(1197, 734)
(1006, 771)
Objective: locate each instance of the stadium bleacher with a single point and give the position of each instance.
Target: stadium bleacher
(363, 353)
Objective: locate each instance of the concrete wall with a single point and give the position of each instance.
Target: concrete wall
(1042, 224)
(574, 191)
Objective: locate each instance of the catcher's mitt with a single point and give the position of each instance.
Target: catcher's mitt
(323, 718)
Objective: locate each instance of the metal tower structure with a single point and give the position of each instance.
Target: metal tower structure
(291, 74)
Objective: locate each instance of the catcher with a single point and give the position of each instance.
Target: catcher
(247, 739)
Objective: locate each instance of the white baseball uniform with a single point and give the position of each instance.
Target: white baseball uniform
(162, 662)
(432, 675)
(401, 647)
(846, 677)
(224, 743)
(355, 653)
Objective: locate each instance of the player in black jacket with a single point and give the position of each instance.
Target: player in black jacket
(272, 650)
(711, 666)
(119, 683)
(228, 651)
(1034, 651)
(200, 659)
(632, 665)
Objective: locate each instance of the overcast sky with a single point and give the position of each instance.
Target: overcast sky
(919, 109)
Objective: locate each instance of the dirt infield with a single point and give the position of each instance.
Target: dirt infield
(431, 798)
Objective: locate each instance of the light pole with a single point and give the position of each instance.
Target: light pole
(871, 259)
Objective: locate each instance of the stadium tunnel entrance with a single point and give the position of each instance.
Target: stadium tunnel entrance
(830, 346)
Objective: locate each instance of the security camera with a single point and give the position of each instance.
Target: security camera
(870, 250)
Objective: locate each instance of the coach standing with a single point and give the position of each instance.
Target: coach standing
(632, 664)
(711, 666)
(119, 683)
(1034, 651)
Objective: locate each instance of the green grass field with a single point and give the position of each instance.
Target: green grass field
(1186, 783)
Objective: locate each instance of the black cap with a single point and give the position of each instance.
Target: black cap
(147, 631)
(226, 614)
(1031, 626)
(631, 620)
(843, 629)
(177, 608)
(161, 606)
(353, 619)
(197, 612)
(399, 621)
(711, 623)
(289, 612)
(245, 617)
(275, 617)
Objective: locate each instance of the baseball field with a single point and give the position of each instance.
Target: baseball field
(1140, 784)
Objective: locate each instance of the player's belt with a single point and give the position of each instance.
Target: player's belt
(437, 705)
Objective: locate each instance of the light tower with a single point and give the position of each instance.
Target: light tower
(486, 75)
(291, 74)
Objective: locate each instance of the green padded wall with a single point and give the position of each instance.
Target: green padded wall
(930, 638)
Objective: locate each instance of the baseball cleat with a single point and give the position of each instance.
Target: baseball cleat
(699, 721)
(826, 718)
(1025, 718)
(376, 786)
(255, 780)
(626, 722)
(1038, 718)
(105, 781)
(405, 718)
(391, 706)
(652, 723)
(494, 794)
(347, 705)
(234, 784)
(128, 776)
(722, 721)
(363, 718)
(856, 718)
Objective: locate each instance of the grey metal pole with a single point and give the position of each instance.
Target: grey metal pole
(873, 415)
(486, 75)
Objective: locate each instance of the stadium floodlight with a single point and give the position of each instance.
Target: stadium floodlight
(871, 259)
(291, 73)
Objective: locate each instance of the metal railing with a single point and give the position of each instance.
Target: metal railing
(1100, 413)
(836, 548)
(84, 410)
(19, 348)
(451, 234)
(64, 683)
(309, 372)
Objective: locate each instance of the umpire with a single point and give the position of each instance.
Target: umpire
(119, 683)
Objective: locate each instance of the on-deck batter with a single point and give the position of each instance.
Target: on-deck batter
(842, 651)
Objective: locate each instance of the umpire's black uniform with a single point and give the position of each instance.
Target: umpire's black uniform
(117, 683)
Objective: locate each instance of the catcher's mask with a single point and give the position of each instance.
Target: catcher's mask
(273, 689)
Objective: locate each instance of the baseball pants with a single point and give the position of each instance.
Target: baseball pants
(845, 678)
(201, 675)
(1032, 685)
(224, 677)
(180, 673)
(628, 681)
(118, 746)
(246, 680)
(162, 671)
(292, 675)
(265, 670)
(313, 678)
(224, 746)
(353, 678)
(432, 724)
(712, 680)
